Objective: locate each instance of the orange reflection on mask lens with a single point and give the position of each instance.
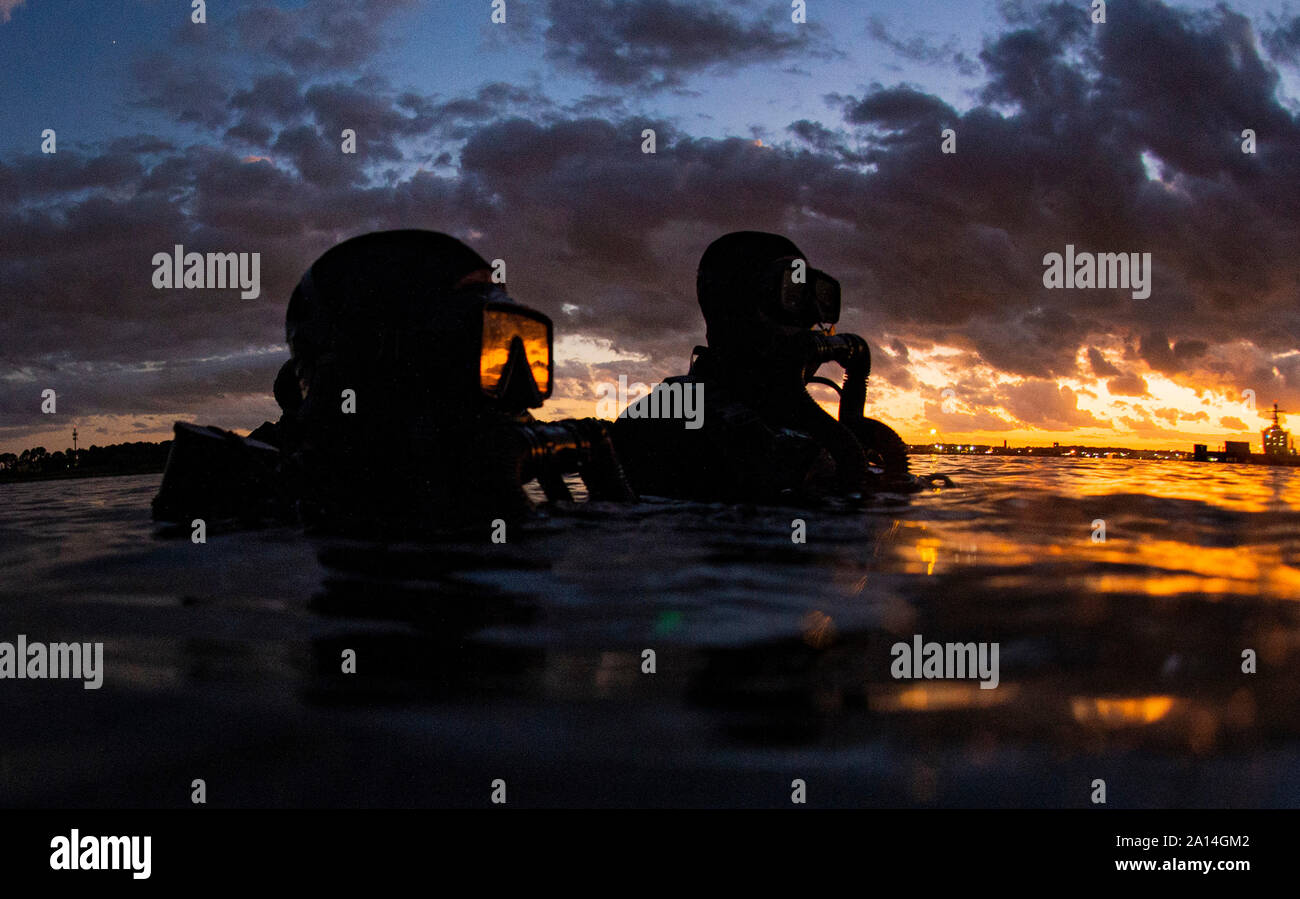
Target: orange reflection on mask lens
(500, 328)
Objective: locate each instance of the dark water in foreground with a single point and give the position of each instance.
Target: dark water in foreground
(1118, 660)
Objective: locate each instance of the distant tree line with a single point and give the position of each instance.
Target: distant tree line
(117, 458)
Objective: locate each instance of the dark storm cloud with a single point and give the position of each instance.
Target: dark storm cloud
(382, 117)
(892, 365)
(622, 231)
(902, 109)
(154, 389)
(932, 249)
(317, 158)
(1100, 367)
(654, 44)
(321, 36)
(189, 93)
(251, 132)
(46, 175)
(88, 322)
(338, 106)
(139, 145)
(1156, 350)
(955, 242)
(277, 96)
(276, 107)
(823, 139)
(1283, 42)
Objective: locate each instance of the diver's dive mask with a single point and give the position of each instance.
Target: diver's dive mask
(511, 345)
(805, 296)
(514, 342)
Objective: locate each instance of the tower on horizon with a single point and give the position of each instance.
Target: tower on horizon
(1277, 440)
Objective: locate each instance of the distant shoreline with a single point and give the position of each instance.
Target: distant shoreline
(1215, 458)
(913, 450)
(7, 478)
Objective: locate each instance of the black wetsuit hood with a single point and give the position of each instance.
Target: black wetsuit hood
(731, 287)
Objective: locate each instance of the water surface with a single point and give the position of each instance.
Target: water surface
(1119, 660)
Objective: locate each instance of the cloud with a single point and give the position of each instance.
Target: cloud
(7, 8)
(1283, 42)
(1127, 384)
(966, 422)
(1100, 367)
(651, 45)
(919, 48)
(1233, 423)
(277, 96)
(931, 249)
(189, 93)
(321, 36)
(1156, 350)
(1055, 158)
(1046, 405)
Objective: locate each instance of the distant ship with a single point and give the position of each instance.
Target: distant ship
(1279, 448)
(1277, 439)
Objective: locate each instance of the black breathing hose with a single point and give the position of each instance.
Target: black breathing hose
(850, 459)
(853, 395)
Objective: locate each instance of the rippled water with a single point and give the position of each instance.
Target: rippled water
(1119, 660)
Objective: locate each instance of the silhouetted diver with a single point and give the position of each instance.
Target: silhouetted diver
(768, 316)
(405, 403)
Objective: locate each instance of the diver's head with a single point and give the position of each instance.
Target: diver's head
(415, 317)
(753, 284)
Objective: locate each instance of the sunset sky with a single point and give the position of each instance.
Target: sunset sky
(524, 139)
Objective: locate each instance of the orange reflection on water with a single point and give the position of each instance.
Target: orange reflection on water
(928, 549)
(967, 548)
(1246, 488)
(1112, 711)
(938, 697)
(1185, 556)
(1213, 570)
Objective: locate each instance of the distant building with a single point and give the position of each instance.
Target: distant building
(1236, 450)
(1200, 452)
(1277, 440)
